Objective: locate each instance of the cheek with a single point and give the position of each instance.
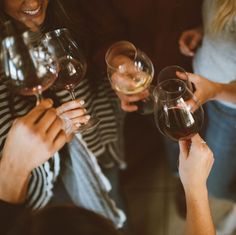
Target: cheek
(12, 8)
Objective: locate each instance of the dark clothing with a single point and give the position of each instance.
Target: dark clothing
(9, 215)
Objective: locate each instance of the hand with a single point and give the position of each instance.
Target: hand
(33, 139)
(127, 101)
(190, 40)
(73, 112)
(195, 162)
(205, 89)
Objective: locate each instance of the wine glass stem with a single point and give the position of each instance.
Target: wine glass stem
(39, 98)
(72, 94)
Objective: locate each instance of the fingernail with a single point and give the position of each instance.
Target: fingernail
(81, 102)
(87, 117)
(77, 124)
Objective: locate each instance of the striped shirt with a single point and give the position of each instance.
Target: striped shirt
(102, 102)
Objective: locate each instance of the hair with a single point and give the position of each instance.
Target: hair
(61, 220)
(224, 16)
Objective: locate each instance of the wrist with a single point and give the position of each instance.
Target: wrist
(13, 183)
(218, 87)
(196, 191)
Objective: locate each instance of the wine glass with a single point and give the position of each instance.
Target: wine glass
(72, 66)
(130, 71)
(29, 67)
(174, 72)
(174, 116)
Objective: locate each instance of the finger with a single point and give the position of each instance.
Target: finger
(134, 98)
(46, 120)
(194, 42)
(59, 141)
(192, 77)
(83, 119)
(128, 107)
(182, 75)
(54, 129)
(184, 47)
(38, 111)
(123, 81)
(70, 105)
(185, 51)
(73, 113)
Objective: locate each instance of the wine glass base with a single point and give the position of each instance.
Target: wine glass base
(89, 126)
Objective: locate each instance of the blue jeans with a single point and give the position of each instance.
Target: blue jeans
(221, 137)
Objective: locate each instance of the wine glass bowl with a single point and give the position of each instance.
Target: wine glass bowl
(129, 70)
(173, 112)
(27, 67)
(72, 63)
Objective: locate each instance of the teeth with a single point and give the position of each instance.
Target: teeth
(34, 12)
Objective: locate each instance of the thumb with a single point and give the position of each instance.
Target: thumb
(192, 77)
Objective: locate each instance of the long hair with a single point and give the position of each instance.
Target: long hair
(224, 16)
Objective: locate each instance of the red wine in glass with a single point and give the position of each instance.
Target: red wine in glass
(180, 125)
(28, 66)
(174, 116)
(34, 87)
(71, 73)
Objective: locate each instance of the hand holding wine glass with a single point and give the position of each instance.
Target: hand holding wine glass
(130, 72)
(174, 117)
(72, 68)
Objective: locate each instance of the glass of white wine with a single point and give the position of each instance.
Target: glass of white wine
(130, 72)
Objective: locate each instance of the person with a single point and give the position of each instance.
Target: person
(213, 48)
(16, 165)
(48, 182)
(195, 162)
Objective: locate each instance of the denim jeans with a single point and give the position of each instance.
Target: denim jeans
(221, 137)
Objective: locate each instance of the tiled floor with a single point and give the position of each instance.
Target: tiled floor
(148, 186)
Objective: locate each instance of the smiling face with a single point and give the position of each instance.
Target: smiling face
(29, 12)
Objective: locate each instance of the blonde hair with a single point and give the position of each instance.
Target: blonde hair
(224, 16)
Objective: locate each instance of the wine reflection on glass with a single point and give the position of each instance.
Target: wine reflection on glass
(130, 72)
(29, 67)
(173, 113)
(72, 68)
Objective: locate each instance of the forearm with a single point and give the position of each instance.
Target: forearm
(13, 183)
(226, 92)
(199, 220)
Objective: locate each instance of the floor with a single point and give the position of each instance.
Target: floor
(149, 188)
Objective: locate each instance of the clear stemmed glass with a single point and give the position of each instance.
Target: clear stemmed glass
(174, 116)
(174, 72)
(29, 67)
(130, 71)
(72, 66)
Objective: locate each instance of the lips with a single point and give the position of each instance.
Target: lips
(33, 12)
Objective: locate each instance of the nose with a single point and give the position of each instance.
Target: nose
(32, 4)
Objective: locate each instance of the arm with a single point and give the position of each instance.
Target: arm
(32, 140)
(195, 162)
